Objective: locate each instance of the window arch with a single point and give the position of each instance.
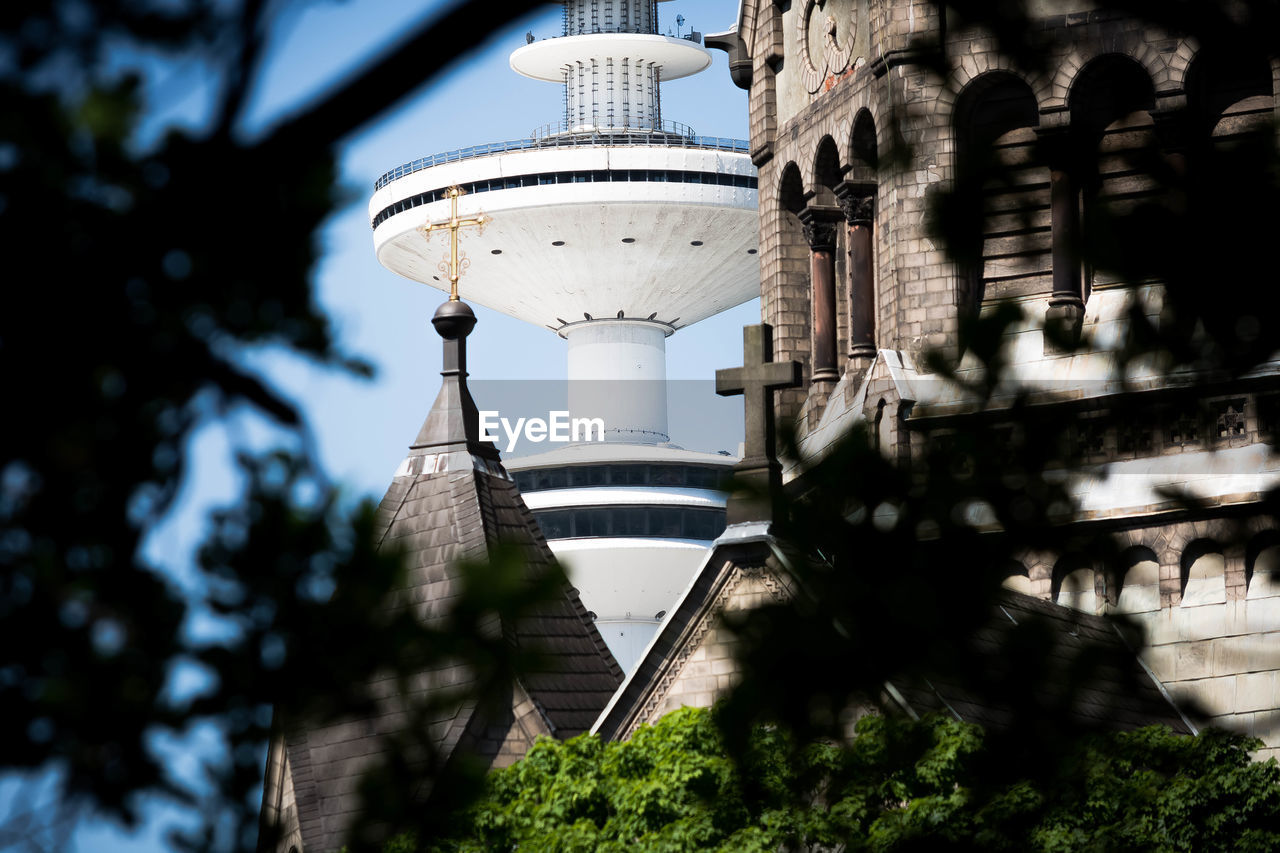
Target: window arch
(1006, 250)
(1262, 566)
(865, 150)
(785, 293)
(1017, 578)
(1140, 583)
(1074, 585)
(1229, 96)
(791, 189)
(827, 172)
(1203, 574)
(878, 428)
(1114, 135)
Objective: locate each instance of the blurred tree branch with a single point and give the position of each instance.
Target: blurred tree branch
(137, 278)
(142, 276)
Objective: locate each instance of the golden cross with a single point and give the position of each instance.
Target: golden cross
(457, 263)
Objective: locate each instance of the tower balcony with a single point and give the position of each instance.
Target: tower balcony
(642, 231)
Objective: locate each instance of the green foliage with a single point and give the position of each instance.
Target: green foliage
(897, 785)
(671, 787)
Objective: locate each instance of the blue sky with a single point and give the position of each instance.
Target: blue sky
(362, 427)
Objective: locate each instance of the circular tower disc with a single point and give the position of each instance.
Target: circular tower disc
(548, 59)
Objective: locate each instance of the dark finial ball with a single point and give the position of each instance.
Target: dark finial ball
(454, 320)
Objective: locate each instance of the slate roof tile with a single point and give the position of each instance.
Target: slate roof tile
(438, 519)
(1118, 698)
(1123, 696)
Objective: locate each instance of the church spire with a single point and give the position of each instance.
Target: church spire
(454, 422)
(449, 502)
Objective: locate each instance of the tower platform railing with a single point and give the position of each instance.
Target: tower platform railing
(672, 135)
(623, 29)
(666, 130)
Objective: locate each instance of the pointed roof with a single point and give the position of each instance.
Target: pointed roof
(748, 544)
(450, 501)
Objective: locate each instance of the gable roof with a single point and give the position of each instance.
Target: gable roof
(450, 501)
(445, 515)
(1124, 693)
(741, 545)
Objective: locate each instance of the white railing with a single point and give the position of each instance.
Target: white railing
(673, 135)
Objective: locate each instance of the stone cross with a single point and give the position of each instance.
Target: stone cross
(756, 381)
(456, 263)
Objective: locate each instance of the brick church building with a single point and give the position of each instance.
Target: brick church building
(853, 133)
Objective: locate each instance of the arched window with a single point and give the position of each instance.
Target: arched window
(1017, 579)
(1113, 132)
(1262, 569)
(1229, 143)
(1006, 252)
(1203, 574)
(1073, 582)
(785, 292)
(1229, 97)
(1140, 585)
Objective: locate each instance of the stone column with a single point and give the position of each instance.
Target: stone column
(820, 233)
(1275, 90)
(858, 204)
(1064, 205)
(1170, 121)
(1065, 315)
(1234, 570)
(1173, 134)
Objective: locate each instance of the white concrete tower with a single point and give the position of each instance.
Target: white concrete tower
(613, 228)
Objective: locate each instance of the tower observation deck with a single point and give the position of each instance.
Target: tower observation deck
(613, 228)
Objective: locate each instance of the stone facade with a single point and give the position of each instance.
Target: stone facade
(705, 667)
(1210, 608)
(691, 659)
(844, 113)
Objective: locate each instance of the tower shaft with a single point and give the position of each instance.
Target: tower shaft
(618, 372)
(584, 17)
(610, 94)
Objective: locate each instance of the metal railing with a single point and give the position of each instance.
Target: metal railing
(627, 30)
(600, 139)
(562, 128)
